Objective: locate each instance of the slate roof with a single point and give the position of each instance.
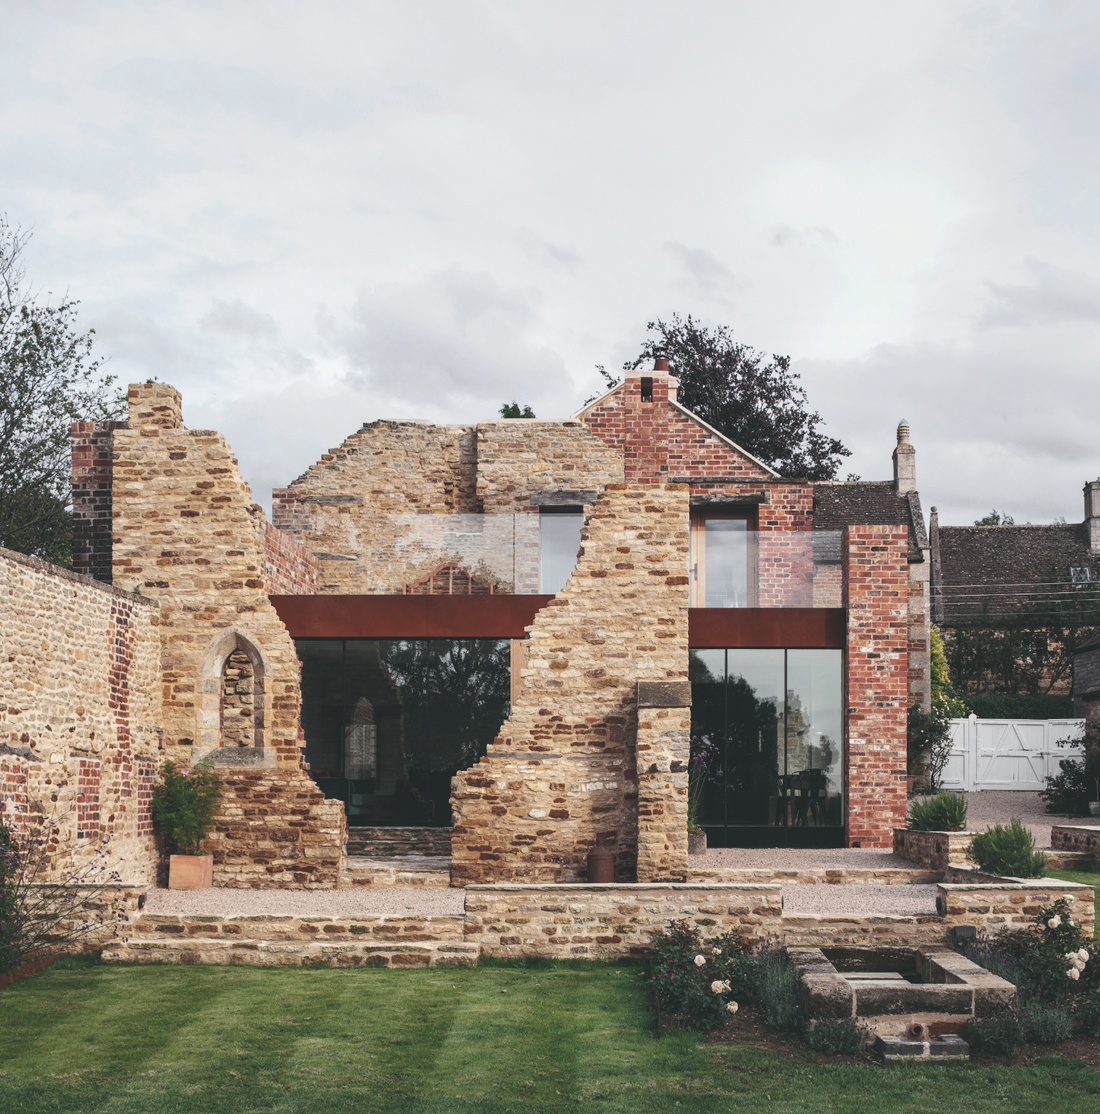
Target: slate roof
(1004, 566)
(870, 503)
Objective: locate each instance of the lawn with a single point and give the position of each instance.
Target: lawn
(545, 1038)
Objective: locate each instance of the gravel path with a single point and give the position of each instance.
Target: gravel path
(401, 901)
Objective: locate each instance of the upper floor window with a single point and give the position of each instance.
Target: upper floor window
(723, 559)
(559, 543)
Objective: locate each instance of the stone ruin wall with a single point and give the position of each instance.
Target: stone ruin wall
(185, 535)
(365, 508)
(79, 715)
(876, 577)
(564, 768)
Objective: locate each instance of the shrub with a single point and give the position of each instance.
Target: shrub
(1068, 792)
(43, 912)
(928, 743)
(1007, 850)
(1046, 1024)
(1087, 1012)
(699, 995)
(1024, 705)
(944, 812)
(1001, 1035)
(777, 989)
(831, 1036)
(183, 805)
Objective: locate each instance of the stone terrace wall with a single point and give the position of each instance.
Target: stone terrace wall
(518, 458)
(339, 508)
(184, 533)
(79, 712)
(563, 769)
(876, 578)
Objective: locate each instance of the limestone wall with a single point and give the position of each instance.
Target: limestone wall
(518, 459)
(563, 769)
(79, 714)
(185, 535)
(935, 850)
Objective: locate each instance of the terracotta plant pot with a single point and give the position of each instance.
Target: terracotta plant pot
(190, 872)
(697, 843)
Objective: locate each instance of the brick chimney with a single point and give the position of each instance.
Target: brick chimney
(1092, 514)
(905, 462)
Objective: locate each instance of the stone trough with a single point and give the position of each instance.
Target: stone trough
(909, 998)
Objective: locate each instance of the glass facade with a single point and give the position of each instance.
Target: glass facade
(559, 544)
(389, 722)
(767, 734)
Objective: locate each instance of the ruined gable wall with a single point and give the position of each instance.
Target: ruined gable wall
(563, 769)
(185, 534)
(342, 509)
(79, 713)
(518, 458)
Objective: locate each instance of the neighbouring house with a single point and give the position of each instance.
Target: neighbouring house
(515, 629)
(1014, 602)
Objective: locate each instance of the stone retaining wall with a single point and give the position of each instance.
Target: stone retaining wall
(825, 876)
(1075, 837)
(935, 850)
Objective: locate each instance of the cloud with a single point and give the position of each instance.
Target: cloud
(706, 275)
(236, 317)
(452, 338)
(1053, 295)
(784, 236)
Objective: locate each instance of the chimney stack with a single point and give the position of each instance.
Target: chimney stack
(905, 462)
(1092, 514)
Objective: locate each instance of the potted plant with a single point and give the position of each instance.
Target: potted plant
(183, 814)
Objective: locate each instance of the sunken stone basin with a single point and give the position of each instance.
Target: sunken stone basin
(891, 989)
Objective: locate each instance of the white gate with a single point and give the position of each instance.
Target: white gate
(1007, 753)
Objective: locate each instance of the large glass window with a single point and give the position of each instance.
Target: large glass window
(389, 722)
(767, 731)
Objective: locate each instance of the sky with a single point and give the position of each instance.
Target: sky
(310, 216)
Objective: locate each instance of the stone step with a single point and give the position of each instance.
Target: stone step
(380, 842)
(285, 953)
(827, 876)
(1068, 860)
(431, 871)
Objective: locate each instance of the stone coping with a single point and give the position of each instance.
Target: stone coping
(619, 887)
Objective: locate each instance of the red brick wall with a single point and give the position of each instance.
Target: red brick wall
(289, 568)
(876, 580)
(92, 470)
(13, 793)
(87, 798)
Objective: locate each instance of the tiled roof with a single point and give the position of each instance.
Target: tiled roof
(1001, 567)
(869, 503)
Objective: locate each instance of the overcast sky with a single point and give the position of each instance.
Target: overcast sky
(309, 216)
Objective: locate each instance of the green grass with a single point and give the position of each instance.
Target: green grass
(546, 1037)
(1086, 878)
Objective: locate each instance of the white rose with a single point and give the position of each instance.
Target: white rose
(731, 1006)
(717, 986)
(1083, 955)
(700, 960)
(1073, 973)
(1054, 922)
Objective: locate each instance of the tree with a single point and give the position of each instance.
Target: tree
(512, 410)
(48, 379)
(997, 518)
(754, 401)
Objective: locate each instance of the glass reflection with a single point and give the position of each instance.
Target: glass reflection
(766, 735)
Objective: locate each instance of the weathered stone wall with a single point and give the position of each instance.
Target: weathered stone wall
(184, 533)
(935, 850)
(563, 769)
(876, 580)
(1075, 837)
(518, 459)
(342, 508)
(79, 713)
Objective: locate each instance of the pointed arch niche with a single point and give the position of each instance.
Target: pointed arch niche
(234, 701)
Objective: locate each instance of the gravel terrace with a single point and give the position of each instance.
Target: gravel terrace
(983, 809)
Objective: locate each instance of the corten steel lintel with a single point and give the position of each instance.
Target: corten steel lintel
(408, 616)
(508, 616)
(760, 627)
